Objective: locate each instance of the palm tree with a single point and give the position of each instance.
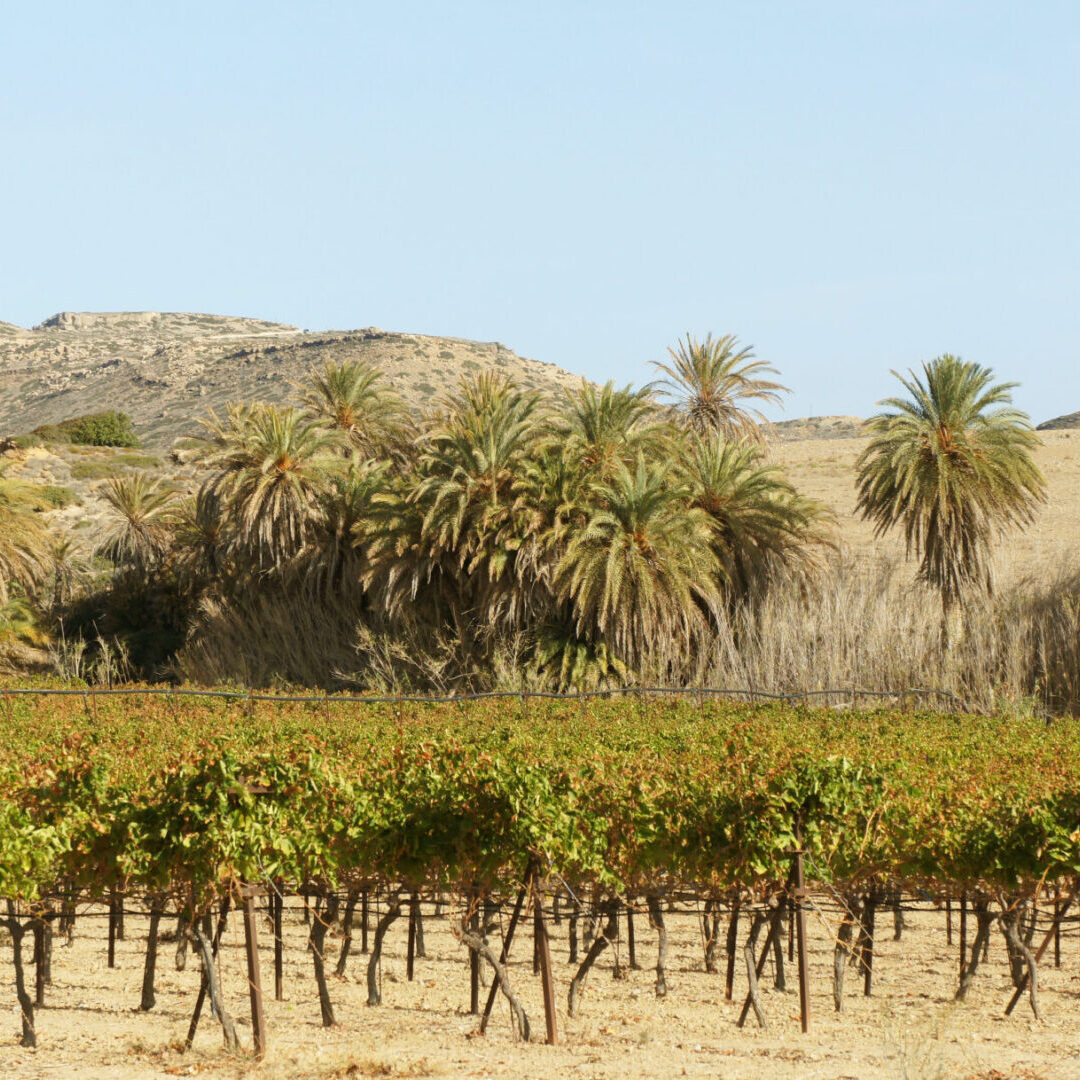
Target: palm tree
(761, 524)
(269, 468)
(138, 530)
(708, 380)
(69, 569)
(952, 465)
(642, 574)
(356, 400)
(471, 459)
(24, 542)
(349, 502)
(446, 537)
(201, 538)
(601, 426)
(553, 503)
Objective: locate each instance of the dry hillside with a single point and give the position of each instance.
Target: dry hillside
(824, 468)
(166, 370)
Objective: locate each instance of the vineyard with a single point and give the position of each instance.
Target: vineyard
(515, 821)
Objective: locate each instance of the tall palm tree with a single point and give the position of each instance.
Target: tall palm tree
(138, 529)
(760, 523)
(952, 465)
(268, 471)
(356, 400)
(709, 379)
(553, 503)
(471, 459)
(201, 537)
(642, 574)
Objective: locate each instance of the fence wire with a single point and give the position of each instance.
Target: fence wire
(747, 694)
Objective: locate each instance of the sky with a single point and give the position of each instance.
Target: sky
(847, 187)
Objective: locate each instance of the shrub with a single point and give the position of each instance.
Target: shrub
(101, 429)
(57, 497)
(108, 428)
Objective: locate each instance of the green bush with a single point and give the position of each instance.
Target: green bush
(101, 429)
(94, 429)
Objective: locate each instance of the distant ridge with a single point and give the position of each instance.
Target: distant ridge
(818, 427)
(166, 369)
(124, 322)
(1059, 423)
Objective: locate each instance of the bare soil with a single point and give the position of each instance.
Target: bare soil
(909, 1028)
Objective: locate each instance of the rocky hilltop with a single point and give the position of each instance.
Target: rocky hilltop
(167, 369)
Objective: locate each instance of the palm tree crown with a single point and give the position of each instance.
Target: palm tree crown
(951, 464)
(642, 573)
(601, 426)
(760, 522)
(710, 378)
(24, 543)
(138, 531)
(269, 467)
(356, 400)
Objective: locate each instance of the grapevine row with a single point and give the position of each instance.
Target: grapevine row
(189, 805)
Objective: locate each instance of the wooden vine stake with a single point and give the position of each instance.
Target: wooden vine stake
(869, 910)
(278, 903)
(251, 948)
(113, 935)
(410, 956)
(474, 956)
(543, 948)
(800, 928)
(1057, 926)
(963, 935)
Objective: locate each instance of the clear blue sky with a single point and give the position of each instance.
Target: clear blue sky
(849, 187)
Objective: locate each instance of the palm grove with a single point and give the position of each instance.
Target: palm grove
(612, 536)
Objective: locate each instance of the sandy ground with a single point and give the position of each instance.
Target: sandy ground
(825, 469)
(907, 1029)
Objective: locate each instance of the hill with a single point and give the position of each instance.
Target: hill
(818, 427)
(1061, 423)
(167, 369)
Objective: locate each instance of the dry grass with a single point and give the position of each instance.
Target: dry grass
(866, 625)
(854, 624)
